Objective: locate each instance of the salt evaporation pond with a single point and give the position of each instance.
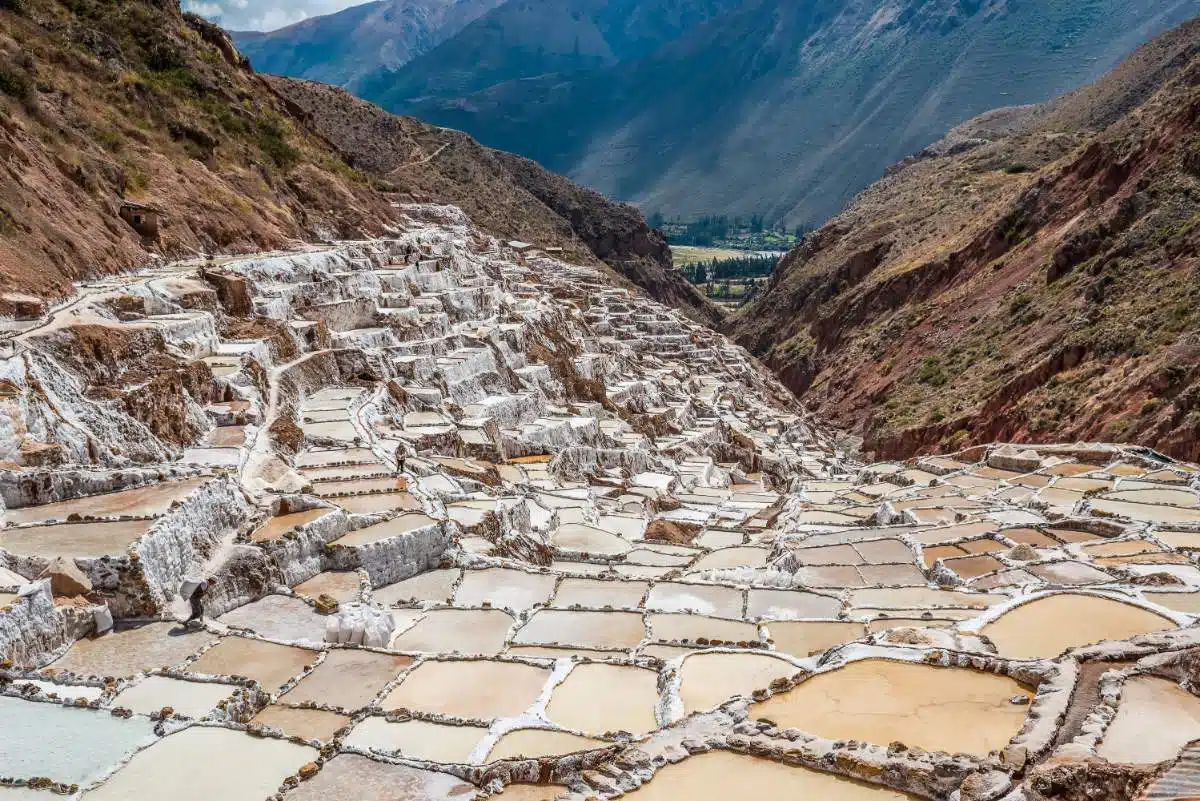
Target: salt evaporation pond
(1046, 627)
(721, 775)
(480, 690)
(1155, 719)
(86, 743)
(882, 701)
(467, 631)
(599, 698)
(74, 539)
(270, 664)
(539, 743)
(234, 767)
(710, 679)
(191, 699)
(128, 651)
(141, 502)
(308, 724)
(350, 777)
(417, 739)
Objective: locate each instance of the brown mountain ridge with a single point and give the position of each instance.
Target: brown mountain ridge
(1031, 277)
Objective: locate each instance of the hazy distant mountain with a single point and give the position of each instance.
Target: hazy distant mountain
(781, 108)
(339, 48)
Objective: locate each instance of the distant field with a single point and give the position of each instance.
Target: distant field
(686, 254)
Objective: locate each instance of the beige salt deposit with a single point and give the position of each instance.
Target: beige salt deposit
(710, 679)
(191, 699)
(722, 775)
(801, 638)
(149, 501)
(1046, 627)
(417, 739)
(611, 630)
(307, 724)
(274, 528)
(596, 594)
(348, 678)
(128, 651)
(881, 701)
(181, 767)
(509, 589)
(1155, 719)
(468, 631)
(270, 664)
(479, 690)
(350, 777)
(681, 628)
(74, 539)
(539, 743)
(599, 698)
(395, 527)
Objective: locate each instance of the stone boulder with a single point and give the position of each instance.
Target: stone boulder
(66, 579)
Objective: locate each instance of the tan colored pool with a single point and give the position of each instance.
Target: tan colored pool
(722, 775)
(251, 768)
(1155, 719)
(348, 679)
(141, 502)
(376, 503)
(802, 638)
(882, 701)
(270, 664)
(596, 594)
(418, 739)
(509, 589)
(308, 724)
(539, 743)
(678, 628)
(479, 690)
(709, 680)
(599, 698)
(274, 528)
(350, 777)
(129, 651)
(1050, 625)
(704, 599)
(74, 539)
(436, 586)
(468, 631)
(192, 699)
(612, 630)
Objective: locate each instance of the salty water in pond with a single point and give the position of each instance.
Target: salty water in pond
(610, 630)
(599, 698)
(881, 701)
(710, 679)
(480, 690)
(278, 617)
(348, 678)
(721, 775)
(270, 664)
(681, 628)
(468, 631)
(350, 777)
(86, 743)
(141, 502)
(309, 724)
(192, 699)
(540, 742)
(417, 739)
(126, 652)
(509, 589)
(74, 539)
(1046, 627)
(250, 768)
(274, 528)
(1155, 719)
(386, 530)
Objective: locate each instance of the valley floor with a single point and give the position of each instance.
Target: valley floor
(471, 521)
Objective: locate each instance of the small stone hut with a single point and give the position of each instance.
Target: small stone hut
(143, 219)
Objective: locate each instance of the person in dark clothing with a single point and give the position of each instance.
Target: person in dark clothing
(197, 601)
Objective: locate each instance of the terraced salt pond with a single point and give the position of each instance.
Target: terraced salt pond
(250, 768)
(149, 501)
(1155, 719)
(599, 698)
(479, 690)
(882, 701)
(1046, 627)
(720, 775)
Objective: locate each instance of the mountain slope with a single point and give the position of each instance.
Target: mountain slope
(504, 193)
(784, 109)
(143, 103)
(1033, 276)
(341, 48)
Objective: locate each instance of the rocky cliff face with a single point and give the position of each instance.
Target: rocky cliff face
(1032, 276)
(508, 194)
